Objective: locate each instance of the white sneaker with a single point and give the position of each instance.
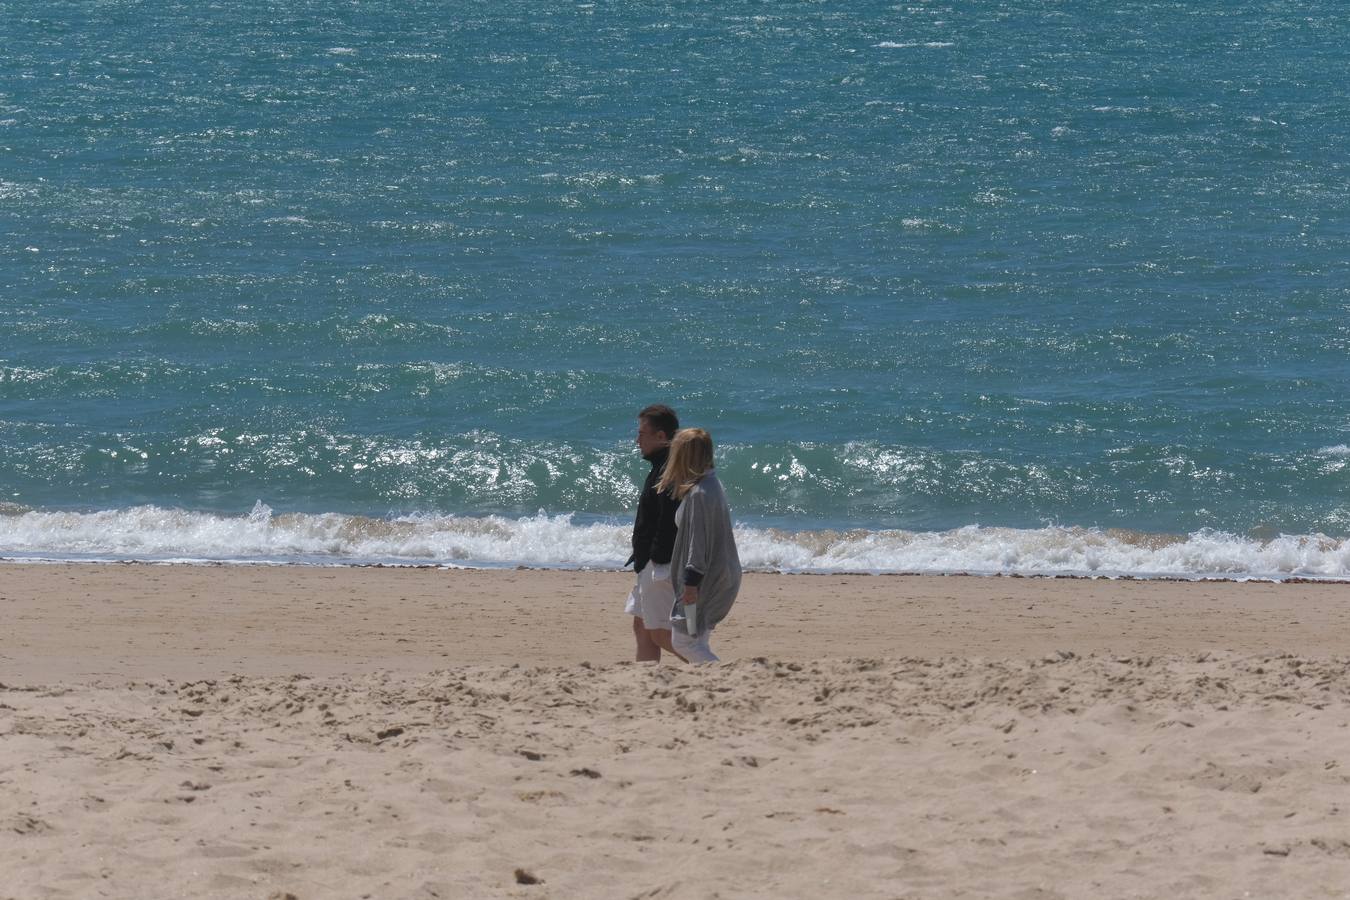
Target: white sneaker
(694, 649)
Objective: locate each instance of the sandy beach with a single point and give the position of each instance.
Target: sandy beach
(223, 731)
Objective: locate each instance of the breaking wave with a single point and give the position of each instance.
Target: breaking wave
(157, 534)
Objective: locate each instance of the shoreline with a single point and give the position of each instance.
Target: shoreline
(749, 570)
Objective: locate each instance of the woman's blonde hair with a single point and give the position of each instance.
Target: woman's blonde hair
(691, 457)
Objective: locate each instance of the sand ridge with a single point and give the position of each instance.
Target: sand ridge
(1062, 776)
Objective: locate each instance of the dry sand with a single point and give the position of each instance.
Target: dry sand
(173, 731)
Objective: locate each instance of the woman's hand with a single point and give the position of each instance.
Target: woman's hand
(690, 595)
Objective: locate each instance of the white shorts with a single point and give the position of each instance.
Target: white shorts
(652, 597)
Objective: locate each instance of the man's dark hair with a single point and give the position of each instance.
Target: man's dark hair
(660, 417)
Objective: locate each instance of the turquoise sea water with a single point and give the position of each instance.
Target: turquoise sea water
(1006, 286)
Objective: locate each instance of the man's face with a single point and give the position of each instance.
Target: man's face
(649, 440)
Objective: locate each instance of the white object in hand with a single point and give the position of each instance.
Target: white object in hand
(691, 618)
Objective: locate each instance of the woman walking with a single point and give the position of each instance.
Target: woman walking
(704, 566)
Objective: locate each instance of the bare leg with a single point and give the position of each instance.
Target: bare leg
(661, 638)
(647, 649)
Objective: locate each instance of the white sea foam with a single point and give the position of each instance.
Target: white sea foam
(557, 541)
(906, 45)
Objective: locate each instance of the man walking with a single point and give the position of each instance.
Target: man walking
(653, 597)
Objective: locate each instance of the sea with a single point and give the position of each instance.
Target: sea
(1026, 287)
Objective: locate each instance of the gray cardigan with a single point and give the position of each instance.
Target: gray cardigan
(705, 554)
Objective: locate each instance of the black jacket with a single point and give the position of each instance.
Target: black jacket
(654, 528)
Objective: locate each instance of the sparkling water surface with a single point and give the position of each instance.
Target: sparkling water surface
(1046, 269)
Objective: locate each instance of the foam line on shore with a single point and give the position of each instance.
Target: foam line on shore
(158, 534)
